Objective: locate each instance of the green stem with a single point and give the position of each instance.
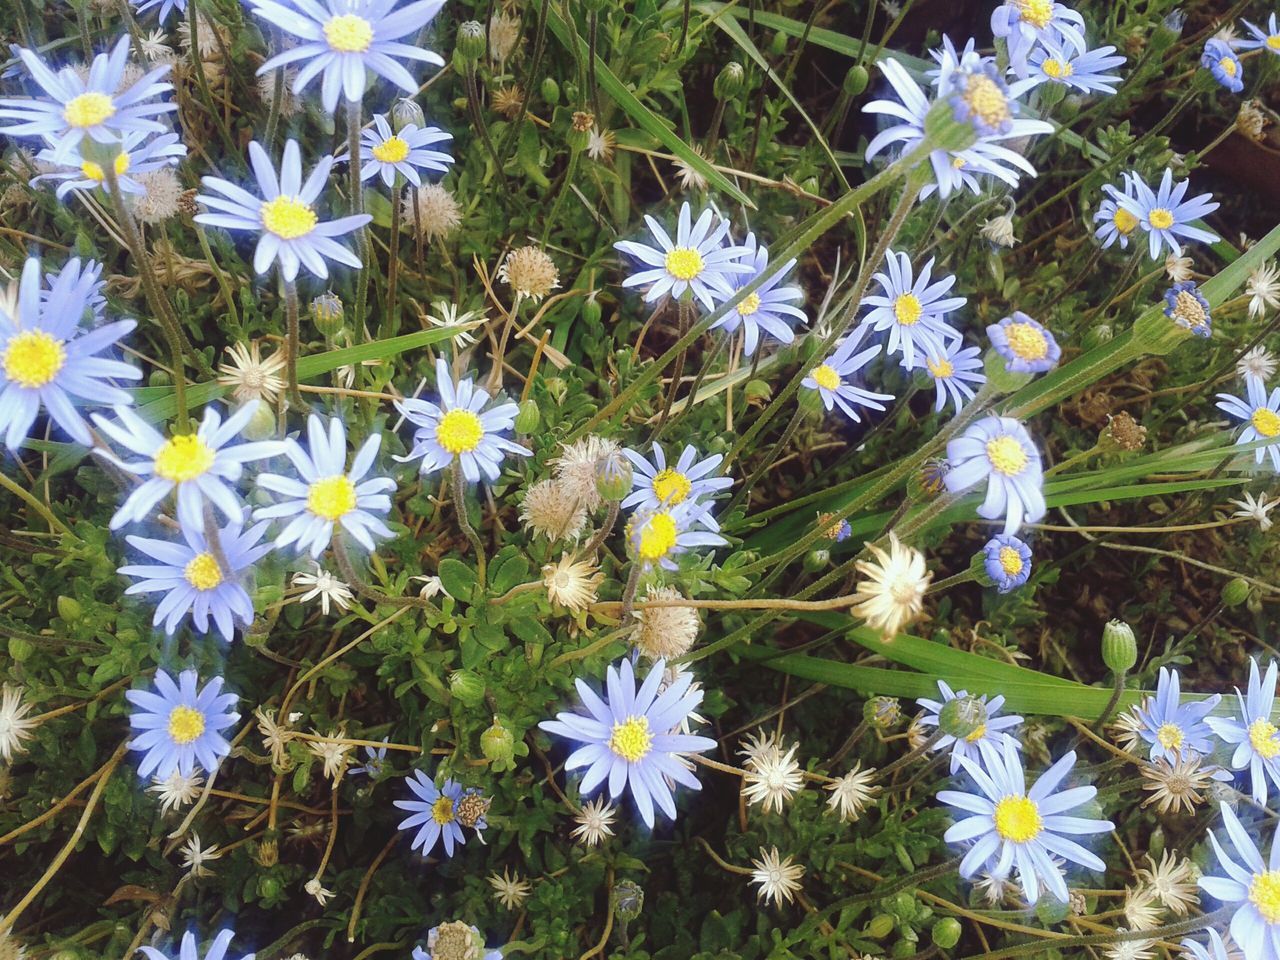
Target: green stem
(224, 286)
(393, 265)
(458, 483)
(354, 125)
(293, 340)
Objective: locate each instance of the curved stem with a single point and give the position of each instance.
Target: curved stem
(457, 482)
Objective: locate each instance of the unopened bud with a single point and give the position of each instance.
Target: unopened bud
(817, 560)
(326, 313)
(550, 90)
(882, 713)
(1119, 648)
(946, 932)
(471, 41)
(856, 80)
(963, 717)
(529, 418)
(729, 81)
(628, 901)
(614, 476)
(406, 111)
(1234, 593)
(497, 743)
(881, 926)
(467, 687)
(261, 425)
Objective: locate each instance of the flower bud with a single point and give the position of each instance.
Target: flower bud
(758, 391)
(614, 476)
(946, 932)
(855, 81)
(550, 90)
(261, 425)
(467, 687)
(1119, 648)
(1097, 335)
(628, 901)
(69, 608)
(944, 131)
(592, 311)
(160, 378)
(817, 560)
(882, 713)
(497, 743)
(881, 926)
(728, 82)
(406, 111)
(326, 313)
(1234, 593)
(471, 41)
(529, 418)
(963, 717)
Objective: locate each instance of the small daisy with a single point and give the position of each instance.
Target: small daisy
(325, 493)
(658, 486)
(456, 428)
(323, 584)
(1179, 269)
(991, 733)
(188, 951)
(1263, 290)
(1175, 729)
(452, 317)
(1173, 881)
(176, 791)
(890, 597)
(1261, 413)
(778, 877)
(1166, 216)
(1011, 826)
(770, 308)
(1118, 224)
(829, 379)
(1256, 510)
(1177, 786)
(195, 855)
(1007, 561)
(852, 793)
(912, 309)
(1219, 59)
(166, 7)
(1027, 347)
(180, 726)
(1086, 71)
(510, 891)
(1268, 39)
(656, 537)
(773, 778)
(456, 939)
(251, 376)
(140, 153)
(384, 153)
(194, 580)
(999, 450)
(434, 813)
(1256, 738)
(594, 821)
(15, 727)
(952, 372)
(1258, 362)
(571, 583)
(1251, 882)
(375, 761)
(1025, 23)
(332, 753)
(697, 262)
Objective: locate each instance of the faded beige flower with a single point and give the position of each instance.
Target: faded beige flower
(1178, 269)
(323, 584)
(275, 736)
(289, 104)
(1176, 786)
(436, 213)
(552, 512)
(1130, 949)
(998, 230)
(1127, 726)
(1252, 120)
(1258, 362)
(195, 856)
(1263, 289)
(773, 778)
(853, 793)
(571, 583)
(510, 890)
(891, 596)
(1172, 882)
(449, 316)
(207, 41)
(10, 948)
(504, 34)
(332, 752)
(176, 790)
(252, 376)
(15, 726)
(690, 178)
(665, 632)
(601, 144)
(1142, 911)
(161, 198)
(530, 272)
(777, 877)
(508, 100)
(594, 822)
(314, 889)
(575, 468)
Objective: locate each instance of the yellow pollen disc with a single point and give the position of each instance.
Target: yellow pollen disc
(1273, 41)
(331, 497)
(183, 458)
(33, 358)
(957, 163)
(979, 732)
(203, 571)
(631, 739)
(941, 369)
(1266, 422)
(1161, 219)
(349, 33)
(185, 725)
(1018, 819)
(1227, 66)
(1125, 221)
(1026, 342)
(390, 150)
(1006, 455)
(1264, 893)
(1058, 69)
(288, 218)
(442, 810)
(987, 101)
(459, 431)
(749, 305)
(1010, 561)
(1170, 736)
(88, 110)
(1038, 13)
(826, 377)
(684, 263)
(671, 486)
(907, 309)
(1262, 737)
(95, 172)
(658, 538)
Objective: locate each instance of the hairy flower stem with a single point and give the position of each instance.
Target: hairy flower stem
(202, 82)
(683, 311)
(1167, 932)
(354, 125)
(713, 132)
(477, 118)
(223, 285)
(906, 758)
(593, 26)
(392, 325)
(629, 593)
(597, 541)
(1117, 691)
(744, 493)
(458, 483)
(293, 339)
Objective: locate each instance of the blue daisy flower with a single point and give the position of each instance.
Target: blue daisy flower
(1051, 61)
(188, 950)
(47, 357)
(1219, 59)
(999, 450)
(1118, 224)
(325, 493)
(1261, 414)
(201, 467)
(1024, 23)
(1007, 561)
(140, 152)
(433, 813)
(1252, 883)
(375, 760)
(166, 7)
(1025, 344)
(344, 38)
(658, 486)
(457, 427)
(385, 153)
(768, 307)
(75, 272)
(629, 737)
(1175, 730)
(194, 579)
(657, 536)
(1186, 306)
(952, 371)
(829, 378)
(1166, 216)
(180, 726)
(697, 262)
(912, 309)
(1268, 39)
(991, 733)
(1011, 826)
(435, 934)
(95, 106)
(284, 216)
(1256, 738)
(1216, 950)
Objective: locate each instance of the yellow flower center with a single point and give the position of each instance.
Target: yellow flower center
(1161, 219)
(1170, 736)
(1018, 819)
(88, 110)
(1026, 341)
(1228, 66)
(203, 571)
(331, 497)
(185, 725)
(1125, 221)
(349, 34)
(442, 810)
(1262, 737)
(907, 309)
(826, 377)
(749, 305)
(95, 172)
(684, 263)
(391, 150)
(459, 431)
(1266, 422)
(631, 739)
(33, 358)
(1006, 455)
(183, 458)
(1058, 69)
(1264, 893)
(1010, 561)
(987, 101)
(941, 368)
(1038, 13)
(658, 538)
(671, 486)
(288, 217)
(1273, 41)
(978, 733)
(957, 162)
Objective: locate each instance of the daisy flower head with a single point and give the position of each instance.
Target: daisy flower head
(386, 153)
(1007, 561)
(179, 725)
(1025, 344)
(1255, 738)
(433, 813)
(1251, 882)
(1268, 39)
(1055, 62)
(97, 104)
(1024, 23)
(1255, 510)
(1214, 950)
(140, 152)
(991, 732)
(342, 39)
(1187, 307)
(455, 939)
(952, 372)
(325, 493)
(659, 486)
(1263, 289)
(831, 379)
(15, 725)
(890, 596)
(1118, 224)
(595, 822)
(1175, 729)
(999, 450)
(1011, 826)
(47, 357)
(657, 536)
(778, 877)
(460, 428)
(697, 262)
(322, 584)
(200, 467)
(284, 217)
(771, 308)
(375, 759)
(1260, 412)
(1220, 60)
(912, 309)
(193, 578)
(1166, 216)
(189, 951)
(628, 737)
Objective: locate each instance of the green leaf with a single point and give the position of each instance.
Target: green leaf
(459, 579)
